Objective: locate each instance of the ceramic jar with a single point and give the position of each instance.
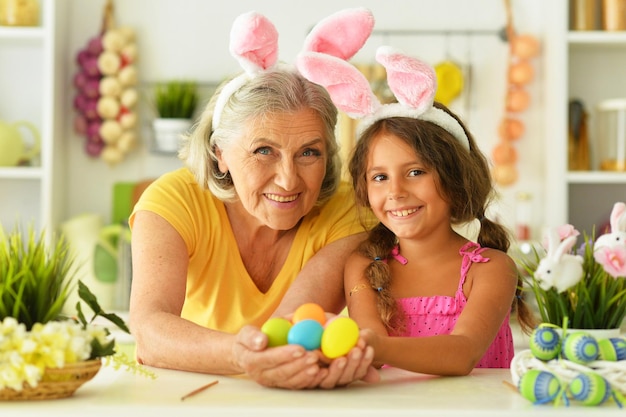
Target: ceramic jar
(19, 12)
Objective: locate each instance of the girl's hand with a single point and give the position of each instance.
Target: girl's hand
(355, 366)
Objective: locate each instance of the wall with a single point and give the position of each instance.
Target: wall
(189, 39)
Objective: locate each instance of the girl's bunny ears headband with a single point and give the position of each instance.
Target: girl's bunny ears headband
(254, 43)
(412, 82)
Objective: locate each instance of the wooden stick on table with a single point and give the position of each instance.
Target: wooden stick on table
(198, 390)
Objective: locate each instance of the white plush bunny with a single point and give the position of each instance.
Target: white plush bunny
(617, 236)
(559, 269)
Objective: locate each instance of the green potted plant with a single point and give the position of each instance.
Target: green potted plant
(39, 345)
(175, 103)
(583, 286)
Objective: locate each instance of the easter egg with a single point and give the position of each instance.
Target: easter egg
(579, 347)
(310, 311)
(545, 343)
(276, 330)
(612, 349)
(539, 386)
(590, 388)
(306, 333)
(340, 335)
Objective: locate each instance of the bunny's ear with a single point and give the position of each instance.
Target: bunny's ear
(341, 34)
(565, 246)
(412, 81)
(254, 42)
(348, 88)
(553, 240)
(323, 61)
(618, 218)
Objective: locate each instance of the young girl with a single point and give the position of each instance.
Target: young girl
(431, 300)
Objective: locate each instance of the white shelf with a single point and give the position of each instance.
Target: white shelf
(596, 37)
(20, 173)
(596, 177)
(21, 36)
(586, 65)
(34, 194)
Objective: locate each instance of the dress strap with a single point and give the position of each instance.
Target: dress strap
(471, 253)
(395, 253)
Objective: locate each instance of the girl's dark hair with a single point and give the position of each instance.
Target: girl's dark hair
(464, 181)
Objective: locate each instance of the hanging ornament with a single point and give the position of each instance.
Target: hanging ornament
(106, 95)
(520, 72)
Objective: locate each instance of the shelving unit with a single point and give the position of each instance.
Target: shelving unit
(586, 65)
(33, 194)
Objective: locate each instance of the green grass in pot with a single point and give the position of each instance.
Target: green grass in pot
(176, 99)
(35, 276)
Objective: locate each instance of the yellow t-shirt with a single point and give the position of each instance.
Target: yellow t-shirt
(220, 294)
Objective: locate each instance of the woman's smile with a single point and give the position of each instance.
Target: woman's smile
(277, 167)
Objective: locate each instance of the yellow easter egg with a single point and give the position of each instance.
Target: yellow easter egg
(340, 335)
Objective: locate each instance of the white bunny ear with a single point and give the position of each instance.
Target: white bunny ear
(412, 81)
(565, 246)
(553, 239)
(254, 42)
(341, 34)
(348, 88)
(618, 219)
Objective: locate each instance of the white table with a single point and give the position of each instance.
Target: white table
(400, 393)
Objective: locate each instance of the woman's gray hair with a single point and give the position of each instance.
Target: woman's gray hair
(269, 92)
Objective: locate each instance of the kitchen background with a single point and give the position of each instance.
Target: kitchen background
(189, 40)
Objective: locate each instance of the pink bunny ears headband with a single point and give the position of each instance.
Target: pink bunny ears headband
(254, 43)
(331, 43)
(413, 82)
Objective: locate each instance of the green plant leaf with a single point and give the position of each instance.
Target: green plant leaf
(91, 300)
(35, 277)
(176, 99)
(597, 301)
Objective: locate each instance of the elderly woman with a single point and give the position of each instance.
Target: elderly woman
(217, 244)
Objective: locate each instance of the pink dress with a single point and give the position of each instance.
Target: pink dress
(431, 316)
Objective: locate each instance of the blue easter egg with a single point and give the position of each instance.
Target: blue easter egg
(306, 333)
(612, 349)
(590, 388)
(539, 386)
(579, 347)
(545, 343)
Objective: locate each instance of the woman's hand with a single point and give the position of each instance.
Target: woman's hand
(293, 367)
(289, 366)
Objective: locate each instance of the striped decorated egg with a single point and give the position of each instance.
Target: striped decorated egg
(590, 388)
(579, 347)
(545, 343)
(612, 349)
(539, 386)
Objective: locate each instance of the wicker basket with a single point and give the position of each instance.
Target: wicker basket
(613, 372)
(56, 382)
